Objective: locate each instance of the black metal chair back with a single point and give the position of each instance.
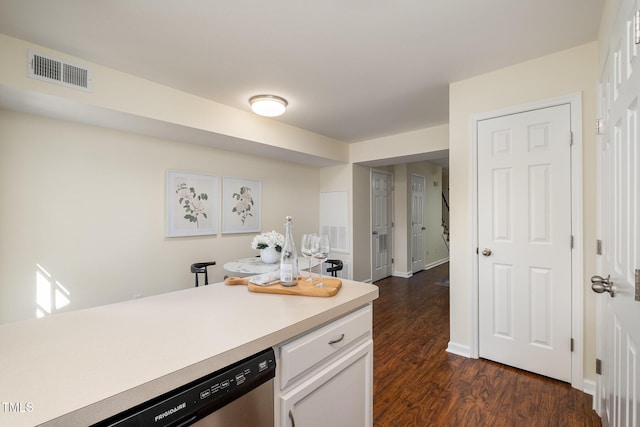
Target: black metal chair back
(336, 265)
(201, 268)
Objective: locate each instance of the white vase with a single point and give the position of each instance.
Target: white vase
(269, 255)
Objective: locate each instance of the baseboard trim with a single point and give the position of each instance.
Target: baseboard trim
(403, 274)
(408, 274)
(589, 387)
(459, 349)
(436, 263)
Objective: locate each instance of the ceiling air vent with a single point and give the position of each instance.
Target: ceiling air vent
(55, 71)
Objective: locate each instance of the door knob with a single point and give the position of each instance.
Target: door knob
(486, 252)
(600, 285)
(375, 233)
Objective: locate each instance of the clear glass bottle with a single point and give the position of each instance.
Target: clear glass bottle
(288, 257)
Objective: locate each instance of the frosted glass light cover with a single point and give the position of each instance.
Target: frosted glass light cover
(268, 105)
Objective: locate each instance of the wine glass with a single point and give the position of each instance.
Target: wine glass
(309, 242)
(321, 252)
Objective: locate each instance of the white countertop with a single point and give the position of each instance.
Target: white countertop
(87, 365)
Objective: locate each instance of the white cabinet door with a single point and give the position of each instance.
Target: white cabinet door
(341, 394)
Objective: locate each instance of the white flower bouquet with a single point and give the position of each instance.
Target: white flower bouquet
(272, 239)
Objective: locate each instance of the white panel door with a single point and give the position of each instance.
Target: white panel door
(618, 319)
(417, 223)
(524, 236)
(381, 224)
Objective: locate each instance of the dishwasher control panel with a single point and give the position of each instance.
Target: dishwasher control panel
(201, 397)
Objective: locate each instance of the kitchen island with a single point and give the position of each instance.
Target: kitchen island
(83, 366)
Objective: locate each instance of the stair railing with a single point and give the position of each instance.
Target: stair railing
(445, 220)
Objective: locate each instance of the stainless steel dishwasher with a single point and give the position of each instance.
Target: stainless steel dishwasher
(240, 395)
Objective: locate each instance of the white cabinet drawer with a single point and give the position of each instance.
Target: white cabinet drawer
(305, 352)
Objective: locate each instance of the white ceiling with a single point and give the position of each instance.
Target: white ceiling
(350, 69)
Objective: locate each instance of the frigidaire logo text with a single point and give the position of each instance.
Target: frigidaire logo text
(170, 411)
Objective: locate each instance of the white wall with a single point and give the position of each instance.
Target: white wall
(361, 223)
(87, 204)
(404, 145)
(563, 73)
(401, 229)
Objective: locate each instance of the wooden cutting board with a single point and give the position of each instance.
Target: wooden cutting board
(331, 287)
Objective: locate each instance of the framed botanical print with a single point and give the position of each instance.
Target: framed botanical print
(191, 204)
(241, 200)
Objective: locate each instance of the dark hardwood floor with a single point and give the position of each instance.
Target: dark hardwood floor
(417, 383)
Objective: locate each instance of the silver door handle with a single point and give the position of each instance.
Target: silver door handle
(337, 340)
(600, 285)
(486, 252)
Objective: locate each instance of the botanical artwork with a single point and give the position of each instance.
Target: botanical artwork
(240, 205)
(192, 204)
(244, 205)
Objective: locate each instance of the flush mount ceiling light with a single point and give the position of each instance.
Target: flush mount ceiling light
(268, 105)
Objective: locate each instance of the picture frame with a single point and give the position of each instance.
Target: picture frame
(192, 204)
(241, 205)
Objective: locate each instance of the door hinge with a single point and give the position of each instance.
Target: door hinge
(598, 126)
(392, 260)
(570, 138)
(598, 247)
(572, 345)
(636, 26)
(598, 366)
(637, 284)
(571, 241)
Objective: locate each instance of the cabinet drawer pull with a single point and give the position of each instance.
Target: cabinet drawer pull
(293, 421)
(337, 340)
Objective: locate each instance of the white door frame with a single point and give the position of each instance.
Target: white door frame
(577, 282)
